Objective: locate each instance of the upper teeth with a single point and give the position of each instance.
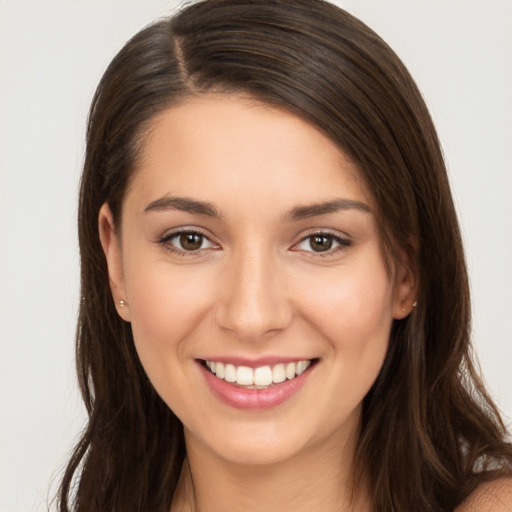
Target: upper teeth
(261, 376)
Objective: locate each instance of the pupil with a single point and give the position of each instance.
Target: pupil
(320, 243)
(191, 241)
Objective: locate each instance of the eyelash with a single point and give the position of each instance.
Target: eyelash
(166, 242)
(342, 243)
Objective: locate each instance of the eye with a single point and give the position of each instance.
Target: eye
(322, 243)
(187, 241)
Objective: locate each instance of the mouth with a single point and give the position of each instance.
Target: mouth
(259, 378)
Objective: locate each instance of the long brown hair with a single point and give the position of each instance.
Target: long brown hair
(430, 433)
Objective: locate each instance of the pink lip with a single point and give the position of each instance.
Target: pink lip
(254, 399)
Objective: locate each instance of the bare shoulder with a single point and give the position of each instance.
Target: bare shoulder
(493, 496)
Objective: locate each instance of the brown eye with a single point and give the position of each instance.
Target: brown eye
(191, 241)
(187, 241)
(321, 243)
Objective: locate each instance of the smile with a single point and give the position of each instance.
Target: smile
(246, 386)
(261, 377)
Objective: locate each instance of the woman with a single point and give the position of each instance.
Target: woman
(275, 303)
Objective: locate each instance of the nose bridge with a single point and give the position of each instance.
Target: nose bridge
(253, 300)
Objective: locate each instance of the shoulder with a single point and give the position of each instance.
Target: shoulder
(495, 496)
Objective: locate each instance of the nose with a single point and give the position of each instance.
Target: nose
(252, 302)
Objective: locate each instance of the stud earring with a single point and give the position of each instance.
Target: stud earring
(415, 303)
(123, 303)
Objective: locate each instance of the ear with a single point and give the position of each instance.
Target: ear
(406, 288)
(112, 249)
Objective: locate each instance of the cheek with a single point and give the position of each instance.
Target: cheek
(355, 316)
(353, 310)
(354, 304)
(165, 306)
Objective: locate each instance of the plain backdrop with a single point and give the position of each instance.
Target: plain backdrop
(52, 56)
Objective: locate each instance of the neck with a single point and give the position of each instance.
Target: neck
(317, 479)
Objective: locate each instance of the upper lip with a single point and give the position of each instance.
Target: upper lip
(255, 363)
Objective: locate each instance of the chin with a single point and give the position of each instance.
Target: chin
(258, 453)
(257, 444)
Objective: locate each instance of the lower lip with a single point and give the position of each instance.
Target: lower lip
(254, 399)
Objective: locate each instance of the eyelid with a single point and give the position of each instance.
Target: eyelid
(165, 240)
(341, 241)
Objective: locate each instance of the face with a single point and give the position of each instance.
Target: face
(255, 284)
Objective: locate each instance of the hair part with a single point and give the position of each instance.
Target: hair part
(429, 430)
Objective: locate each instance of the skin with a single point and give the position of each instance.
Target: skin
(493, 496)
(255, 288)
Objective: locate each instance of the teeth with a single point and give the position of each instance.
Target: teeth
(290, 370)
(244, 376)
(260, 377)
(278, 373)
(263, 376)
(302, 367)
(230, 373)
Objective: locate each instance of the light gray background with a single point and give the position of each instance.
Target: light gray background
(52, 56)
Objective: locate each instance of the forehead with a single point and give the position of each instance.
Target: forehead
(215, 147)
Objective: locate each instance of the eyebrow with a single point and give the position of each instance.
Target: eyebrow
(183, 204)
(314, 210)
(194, 206)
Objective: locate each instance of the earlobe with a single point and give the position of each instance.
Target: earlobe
(406, 291)
(112, 250)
